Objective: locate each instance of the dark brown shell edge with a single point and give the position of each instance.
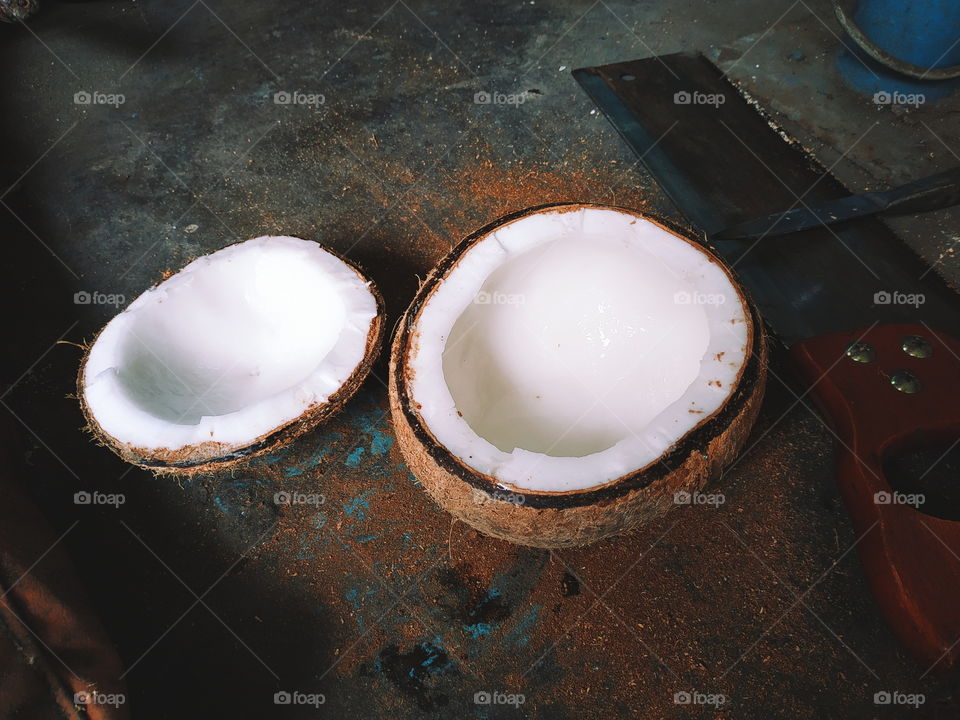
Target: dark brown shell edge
(580, 517)
(212, 456)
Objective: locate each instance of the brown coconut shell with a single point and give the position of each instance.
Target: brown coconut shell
(576, 517)
(214, 456)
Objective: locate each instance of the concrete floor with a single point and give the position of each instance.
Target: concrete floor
(106, 198)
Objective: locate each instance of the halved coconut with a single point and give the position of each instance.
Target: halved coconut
(238, 353)
(566, 371)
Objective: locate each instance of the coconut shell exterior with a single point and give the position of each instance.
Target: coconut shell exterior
(213, 456)
(578, 517)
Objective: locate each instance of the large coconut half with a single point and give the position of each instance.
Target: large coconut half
(238, 353)
(566, 371)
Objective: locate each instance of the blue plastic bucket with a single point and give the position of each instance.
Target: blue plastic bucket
(924, 34)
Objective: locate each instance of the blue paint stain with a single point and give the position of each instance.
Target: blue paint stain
(435, 652)
(354, 599)
(326, 441)
(520, 635)
(492, 593)
(477, 630)
(259, 96)
(359, 505)
(304, 553)
(480, 628)
(380, 442)
(269, 459)
(299, 469)
(221, 505)
(366, 538)
(353, 459)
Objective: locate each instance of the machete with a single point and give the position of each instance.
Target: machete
(870, 328)
(930, 193)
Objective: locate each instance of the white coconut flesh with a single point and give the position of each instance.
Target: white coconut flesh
(237, 344)
(569, 348)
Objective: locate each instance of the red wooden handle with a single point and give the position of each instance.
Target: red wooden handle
(912, 559)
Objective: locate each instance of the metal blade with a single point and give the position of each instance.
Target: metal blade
(722, 163)
(828, 213)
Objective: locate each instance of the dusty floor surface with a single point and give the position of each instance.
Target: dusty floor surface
(216, 598)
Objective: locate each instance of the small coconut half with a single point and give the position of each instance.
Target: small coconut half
(241, 351)
(566, 371)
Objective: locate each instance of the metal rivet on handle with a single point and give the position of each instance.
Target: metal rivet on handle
(905, 381)
(861, 352)
(916, 346)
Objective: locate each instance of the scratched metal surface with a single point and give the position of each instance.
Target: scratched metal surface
(216, 596)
